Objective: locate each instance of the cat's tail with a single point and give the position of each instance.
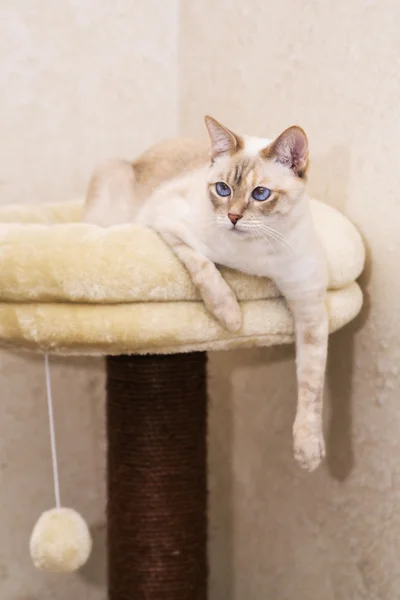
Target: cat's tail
(111, 196)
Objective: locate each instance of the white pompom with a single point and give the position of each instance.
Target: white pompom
(60, 541)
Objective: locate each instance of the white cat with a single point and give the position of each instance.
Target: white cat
(247, 209)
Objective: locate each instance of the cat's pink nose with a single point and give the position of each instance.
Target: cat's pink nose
(234, 218)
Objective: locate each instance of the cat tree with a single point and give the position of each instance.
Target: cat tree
(69, 288)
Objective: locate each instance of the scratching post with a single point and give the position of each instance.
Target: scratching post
(157, 492)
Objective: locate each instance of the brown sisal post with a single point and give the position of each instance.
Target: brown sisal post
(157, 491)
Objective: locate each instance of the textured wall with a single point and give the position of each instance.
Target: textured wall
(79, 82)
(82, 81)
(334, 68)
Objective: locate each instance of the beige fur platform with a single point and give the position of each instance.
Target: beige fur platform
(73, 288)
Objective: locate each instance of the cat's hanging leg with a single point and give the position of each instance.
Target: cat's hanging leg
(311, 323)
(311, 327)
(218, 297)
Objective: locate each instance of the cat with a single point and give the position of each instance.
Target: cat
(238, 201)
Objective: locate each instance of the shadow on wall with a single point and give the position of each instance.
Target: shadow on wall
(95, 570)
(340, 456)
(329, 178)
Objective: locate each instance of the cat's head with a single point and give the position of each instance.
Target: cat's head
(254, 182)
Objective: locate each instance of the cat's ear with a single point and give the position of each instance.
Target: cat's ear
(223, 141)
(290, 149)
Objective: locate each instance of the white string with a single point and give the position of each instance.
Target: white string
(52, 434)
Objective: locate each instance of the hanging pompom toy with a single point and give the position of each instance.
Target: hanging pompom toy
(61, 540)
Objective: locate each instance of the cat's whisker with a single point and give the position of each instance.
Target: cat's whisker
(283, 243)
(256, 228)
(264, 238)
(279, 237)
(272, 230)
(267, 235)
(252, 226)
(277, 233)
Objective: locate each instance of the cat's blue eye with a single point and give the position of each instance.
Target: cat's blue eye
(261, 193)
(222, 189)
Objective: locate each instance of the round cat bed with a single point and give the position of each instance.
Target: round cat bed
(74, 288)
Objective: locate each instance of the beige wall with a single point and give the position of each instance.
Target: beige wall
(79, 82)
(332, 67)
(82, 81)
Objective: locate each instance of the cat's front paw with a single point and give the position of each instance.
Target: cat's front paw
(308, 444)
(228, 312)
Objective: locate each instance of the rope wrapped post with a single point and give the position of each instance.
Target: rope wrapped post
(157, 469)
